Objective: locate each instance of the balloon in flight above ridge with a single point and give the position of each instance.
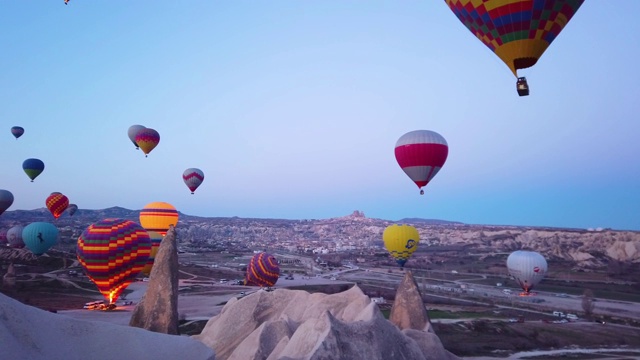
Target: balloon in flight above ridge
(263, 270)
(132, 132)
(147, 139)
(33, 168)
(57, 203)
(14, 237)
(72, 208)
(158, 216)
(401, 241)
(421, 154)
(528, 268)
(17, 131)
(193, 178)
(6, 200)
(40, 236)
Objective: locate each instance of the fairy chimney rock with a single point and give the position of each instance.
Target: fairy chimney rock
(408, 310)
(9, 279)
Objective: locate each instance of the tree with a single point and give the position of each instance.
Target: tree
(587, 302)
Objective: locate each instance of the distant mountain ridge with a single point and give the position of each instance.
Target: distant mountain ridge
(429, 221)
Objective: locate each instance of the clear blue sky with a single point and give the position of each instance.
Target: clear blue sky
(292, 109)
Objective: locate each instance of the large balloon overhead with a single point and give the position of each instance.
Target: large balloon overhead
(147, 139)
(6, 200)
(421, 154)
(112, 252)
(132, 132)
(401, 241)
(156, 239)
(14, 237)
(193, 177)
(528, 268)
(33, 168)
(17, 131)
(158, 216)
(39, 237)
(263, 270)
(57, 203)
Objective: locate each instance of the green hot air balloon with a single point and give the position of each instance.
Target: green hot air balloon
(33, 168)
(39, 237)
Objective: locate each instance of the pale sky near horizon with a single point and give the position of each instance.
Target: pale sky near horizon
(292, 110)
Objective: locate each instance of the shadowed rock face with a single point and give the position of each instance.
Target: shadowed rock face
(293, 324)
(158, 309)
(9, 279)
(408, 310)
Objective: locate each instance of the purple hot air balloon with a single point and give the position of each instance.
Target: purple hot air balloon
(17, 131)
(263, 270)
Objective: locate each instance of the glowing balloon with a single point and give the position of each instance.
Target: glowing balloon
(156, 239)
(72, 209)
(158, 216)
(193, 178)
(39, 237)
(132, 132)
(401, 241)
(528, 268)
(14, 237)
(147, 139)
(421, 154)
(17, 131)
(6, 199)
(33, 168)
(112, 252)
(57, 204)
(263, 270)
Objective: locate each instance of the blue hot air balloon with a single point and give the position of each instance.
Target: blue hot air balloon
(33, 168)
(39, 237)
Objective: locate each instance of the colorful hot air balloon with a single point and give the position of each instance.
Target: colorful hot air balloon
(6, 199)
(401, 241)
(517, 31)
(14, 237)
(147, 139)
(132, 132)
(528, 268)
(33, 168)
(57, 204)
(158, 216)
(17, 131)
(193, 178)
(421, 154)
(3, 237)
(72, 209)
(263, 270)
(156, 239)
(112, 252)
(39, 237)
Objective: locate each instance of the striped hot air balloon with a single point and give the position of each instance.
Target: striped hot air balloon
(193, 177)
(112, 252)
(401, 241)
(421, 154)
(57, 203)
(158, 216)
(156, 239)
(263, 270)
(147, 139)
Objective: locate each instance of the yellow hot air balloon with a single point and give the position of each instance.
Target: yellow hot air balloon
(158, 216)
(401, 241)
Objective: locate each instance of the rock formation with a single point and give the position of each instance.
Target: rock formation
(9, 279)
(30, 333)
(294, 324)
(158, 309)
(408, 311)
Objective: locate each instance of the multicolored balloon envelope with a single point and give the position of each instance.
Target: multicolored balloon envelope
(132, 132)
(112, 252)
(193, 177)
(17, 131)
(6, 200)
(263, 270)
(158, 216)
(401, 241)
(57, 203)
(40, 236)
(156, 239)
(517, 31)
(14, 237)
(528, 268)
(421, 154)
(33, 168)
(147, 139)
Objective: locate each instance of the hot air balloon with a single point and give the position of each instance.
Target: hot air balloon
(517, 31)
(57, 204)
(17, 131)
(147, 139)
(72, 209)
(14, 237)
(158, 216)
(421, 154)
(33, 168)
(193, 178)
(3, 237)
(263, 270)
(527, 268)
(39, 237)
(401, 241)
(132, 132)
(6, 199)
(112, 252)
(156, 239)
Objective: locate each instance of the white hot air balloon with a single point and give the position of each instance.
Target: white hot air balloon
(528, 268)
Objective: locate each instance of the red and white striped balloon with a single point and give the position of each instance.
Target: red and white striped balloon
(421, 154)
(193, 178)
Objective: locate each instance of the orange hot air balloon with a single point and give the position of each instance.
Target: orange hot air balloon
(158, 216)
(147, 139)
(57, 204)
